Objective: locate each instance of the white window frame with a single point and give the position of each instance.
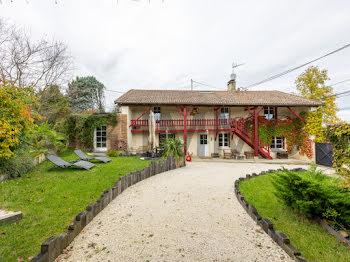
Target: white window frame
(221, 140)
(225, 113)
(157, 113)
(204, 139)
(269, 112)
(98, 139)
(277, 141)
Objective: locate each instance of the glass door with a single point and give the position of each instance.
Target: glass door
(100, 139)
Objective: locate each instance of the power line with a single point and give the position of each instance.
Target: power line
(114, 91)
(295, 68)
(346, 80)
(199, 83)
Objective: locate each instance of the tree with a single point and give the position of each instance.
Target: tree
(32, 63)
(311, 84)
(86, 93)
(15, 116)
(52, 104)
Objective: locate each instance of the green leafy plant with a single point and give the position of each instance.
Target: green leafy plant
(114, 153)
(339, 136)
(292, 129)
(16, 117)
(174, 147)
(19, 164)
(312, 193)
(44, 139)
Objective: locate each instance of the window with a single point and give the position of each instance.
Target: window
(203, 139)
(223, 139)
(225, 113)
(101, 137)
(277, 143)
(157, 113)
(269, 112)
(163, 138)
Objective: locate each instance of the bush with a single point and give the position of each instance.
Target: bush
(114, 153)
(313, 194)
(174, 147)
(18, 165)
(44, 139)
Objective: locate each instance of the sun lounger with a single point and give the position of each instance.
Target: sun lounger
(59, 162)
(82, 156)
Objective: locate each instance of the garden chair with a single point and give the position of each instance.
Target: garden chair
(227, 153)
(82, 156)
(59, 162)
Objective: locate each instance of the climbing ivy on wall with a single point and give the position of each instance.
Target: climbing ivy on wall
(339, 136)
(79, 128)
(292, 129)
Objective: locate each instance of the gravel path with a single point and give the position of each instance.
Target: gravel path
(188, 214)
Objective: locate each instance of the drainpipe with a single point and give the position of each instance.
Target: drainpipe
(256, 135)
(185, 130)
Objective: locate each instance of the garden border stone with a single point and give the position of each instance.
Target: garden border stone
(279, 237)
(331, 231)
(54, 245)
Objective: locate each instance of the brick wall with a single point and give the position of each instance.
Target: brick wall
(118, 135)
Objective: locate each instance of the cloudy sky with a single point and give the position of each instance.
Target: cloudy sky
(163, 44)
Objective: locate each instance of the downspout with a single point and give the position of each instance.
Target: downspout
(185, 130)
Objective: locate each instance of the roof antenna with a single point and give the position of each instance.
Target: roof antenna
(234, 65)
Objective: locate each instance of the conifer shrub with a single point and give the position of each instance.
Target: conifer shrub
(314, 194)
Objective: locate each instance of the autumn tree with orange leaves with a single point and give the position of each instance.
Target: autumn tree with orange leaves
(15, 116)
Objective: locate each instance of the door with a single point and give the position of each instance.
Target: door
(100, 139)
(324, 154)
(203, 147)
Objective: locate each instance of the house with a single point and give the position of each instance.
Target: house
(209, 122)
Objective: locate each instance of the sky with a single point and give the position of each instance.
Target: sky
(159, 44)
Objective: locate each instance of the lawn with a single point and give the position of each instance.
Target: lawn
(50, 200)
(308, 237)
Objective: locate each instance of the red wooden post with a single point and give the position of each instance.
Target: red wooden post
(256, 135)
(217, 121)
(185, 129)
(291, 110)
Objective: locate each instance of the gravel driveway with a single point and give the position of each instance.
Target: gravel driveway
(188, 214)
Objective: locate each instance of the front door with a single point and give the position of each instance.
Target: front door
(203, 147)
(100, 139)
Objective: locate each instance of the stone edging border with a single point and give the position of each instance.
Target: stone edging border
(331, 231)
(279, 237)
(54, 246)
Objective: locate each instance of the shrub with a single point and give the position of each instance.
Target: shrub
(18, 165)
(15, 116)
(339, 136)
(44, 139)
(313, 194)
(174, 147)
(114, 153)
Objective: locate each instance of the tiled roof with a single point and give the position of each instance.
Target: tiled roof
(240, 98)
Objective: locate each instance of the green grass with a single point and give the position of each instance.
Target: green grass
(50, 200)
(314, 243)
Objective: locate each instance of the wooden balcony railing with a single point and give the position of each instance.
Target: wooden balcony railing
(236, 124)
(189, 122)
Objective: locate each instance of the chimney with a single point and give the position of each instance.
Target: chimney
(231, 85)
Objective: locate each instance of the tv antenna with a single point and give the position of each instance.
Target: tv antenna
(235, 65)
